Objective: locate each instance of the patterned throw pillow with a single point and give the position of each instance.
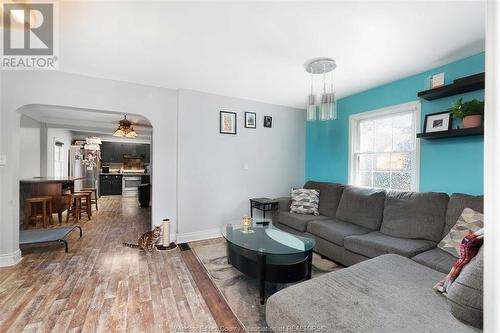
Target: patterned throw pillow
(470, 221)
(305, 201)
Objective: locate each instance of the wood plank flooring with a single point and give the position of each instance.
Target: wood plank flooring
(100, 286)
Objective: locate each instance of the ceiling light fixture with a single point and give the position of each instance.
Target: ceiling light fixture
(125, 128)
(328, 102)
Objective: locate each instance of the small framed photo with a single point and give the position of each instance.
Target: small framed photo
(268, 121)
(437, 122)
(437, 80)
(250, 120)
(227, 122)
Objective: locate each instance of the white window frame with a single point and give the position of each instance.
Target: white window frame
(354, 119)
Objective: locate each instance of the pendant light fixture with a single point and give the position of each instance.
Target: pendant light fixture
(328, 103)
(125, 128)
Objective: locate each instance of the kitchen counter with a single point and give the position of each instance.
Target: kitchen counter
(50, 180)
(54, 187)
(124, 174)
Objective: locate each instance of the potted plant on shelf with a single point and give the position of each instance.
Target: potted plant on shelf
(470, 112)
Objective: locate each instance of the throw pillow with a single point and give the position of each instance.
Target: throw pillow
(305, 201)
(469, 222)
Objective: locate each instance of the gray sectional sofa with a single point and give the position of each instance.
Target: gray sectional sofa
(390, 238)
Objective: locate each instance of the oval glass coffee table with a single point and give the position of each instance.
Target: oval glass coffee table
(268, 254)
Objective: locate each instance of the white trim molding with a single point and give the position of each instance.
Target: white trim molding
(199, 235)
(492, 171)
(10, 259)
(354, 119)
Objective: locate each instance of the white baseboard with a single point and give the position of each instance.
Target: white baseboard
(10, 259)
(198, 235)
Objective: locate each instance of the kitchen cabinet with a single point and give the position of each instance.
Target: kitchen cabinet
(110, 185)
(112, 152)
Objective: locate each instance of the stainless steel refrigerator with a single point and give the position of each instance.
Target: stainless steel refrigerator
(84, 163)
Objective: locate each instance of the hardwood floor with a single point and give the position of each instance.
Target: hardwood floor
(100, 286)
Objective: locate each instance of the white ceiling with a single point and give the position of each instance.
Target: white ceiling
(257, 50)
(84, 120)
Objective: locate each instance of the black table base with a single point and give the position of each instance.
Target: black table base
(283, 268)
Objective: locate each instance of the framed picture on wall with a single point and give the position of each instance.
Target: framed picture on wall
(437, 122)
(227, 122)
(250, 120)
(268, 121)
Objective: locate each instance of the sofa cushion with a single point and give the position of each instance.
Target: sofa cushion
(362, 206)
(376, 243)
(416, 215)
(298, 221)
(335, 230)
(436, 259)
(386, 294)
(465, 294)
(458, 202)
(329, 196)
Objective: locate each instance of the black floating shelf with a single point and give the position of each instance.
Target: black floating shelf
(452, 133)
(459, 86)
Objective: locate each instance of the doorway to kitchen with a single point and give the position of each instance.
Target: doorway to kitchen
(78, 157)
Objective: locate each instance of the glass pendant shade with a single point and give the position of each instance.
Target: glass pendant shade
(118, 132)
(323, 108)
(311, 108)
(132, 134)
(332, 107)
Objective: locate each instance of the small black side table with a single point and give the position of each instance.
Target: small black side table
(263, 204)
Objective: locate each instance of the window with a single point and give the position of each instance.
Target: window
(384, 152)
(58, 159)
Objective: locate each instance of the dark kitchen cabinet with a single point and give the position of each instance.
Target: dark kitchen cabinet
(110, 185)
(112, 152)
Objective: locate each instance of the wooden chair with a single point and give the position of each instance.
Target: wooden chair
(94, 191)
(45, 203)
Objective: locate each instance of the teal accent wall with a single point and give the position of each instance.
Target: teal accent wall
(446, 165)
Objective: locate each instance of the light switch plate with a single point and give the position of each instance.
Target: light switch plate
(3, 159)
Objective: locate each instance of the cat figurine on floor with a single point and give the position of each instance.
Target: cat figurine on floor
(147, 241)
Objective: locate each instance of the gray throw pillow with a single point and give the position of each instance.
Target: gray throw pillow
(465, 294)
(305, 201)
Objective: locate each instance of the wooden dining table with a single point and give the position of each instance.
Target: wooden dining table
(54, 187)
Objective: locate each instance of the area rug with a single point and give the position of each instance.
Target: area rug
(241, 292)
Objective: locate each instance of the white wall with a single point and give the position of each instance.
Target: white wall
(30, 148)
(199, 176)
(20, 88)
(218, 173)
(29, 145)
(59, 135)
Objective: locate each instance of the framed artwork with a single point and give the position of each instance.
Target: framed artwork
(437, 122)
(268, 121)
(250, 120)
(227, 122)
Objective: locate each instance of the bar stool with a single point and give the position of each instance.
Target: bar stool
(94, 191)
(87, 200)
(78, 206)
(45, 203)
